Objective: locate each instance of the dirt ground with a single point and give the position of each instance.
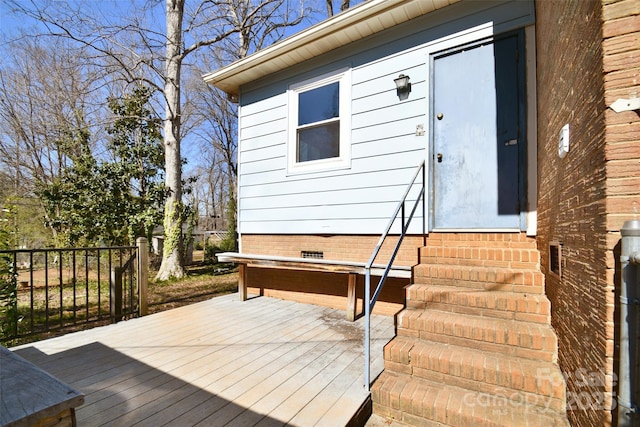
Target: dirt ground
(203, 282)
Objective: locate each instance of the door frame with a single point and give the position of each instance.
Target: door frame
(525, 133)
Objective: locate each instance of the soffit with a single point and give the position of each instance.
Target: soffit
(349, 26)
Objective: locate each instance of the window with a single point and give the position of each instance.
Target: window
(319, 122)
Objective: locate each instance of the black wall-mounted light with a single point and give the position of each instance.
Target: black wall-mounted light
(403, 87)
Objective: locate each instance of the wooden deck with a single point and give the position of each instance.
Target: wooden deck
(261, 362)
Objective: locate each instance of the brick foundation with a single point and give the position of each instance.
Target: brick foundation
(327, 289)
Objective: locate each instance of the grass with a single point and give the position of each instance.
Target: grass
(203, 281)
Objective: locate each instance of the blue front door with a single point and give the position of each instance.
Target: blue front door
(478, 136)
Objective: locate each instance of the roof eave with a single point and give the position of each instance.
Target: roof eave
(362, 20)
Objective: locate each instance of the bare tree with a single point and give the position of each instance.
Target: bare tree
(344, 5)
(44, 100)
(42, 97)
(133, 50)
(255, 23)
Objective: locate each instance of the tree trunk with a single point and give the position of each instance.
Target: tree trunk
(329, 8)
(173, 211)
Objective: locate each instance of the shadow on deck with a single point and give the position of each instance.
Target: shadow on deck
(263, 362)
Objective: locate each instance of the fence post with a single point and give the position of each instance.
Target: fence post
(116, 294)
(143, 273)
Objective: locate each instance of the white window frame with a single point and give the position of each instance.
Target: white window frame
(343, 161)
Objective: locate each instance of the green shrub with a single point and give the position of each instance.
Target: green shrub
(8, 286)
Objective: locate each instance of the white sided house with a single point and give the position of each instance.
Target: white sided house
(438, 101)
(328, 145)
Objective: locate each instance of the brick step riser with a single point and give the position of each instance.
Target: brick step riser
(485, 417)
(529, 244)
(488, 250)
(501, 305)
(460, 379)
(509, 333)
(503, 280)
(524, 339)
(539, 384)
(481, 239)
(529, 277)
(482, 286)
(507, 349)
(437, 405)
(479, 263)
(501, 314)
(447, 254)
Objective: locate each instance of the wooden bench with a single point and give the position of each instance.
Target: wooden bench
(353, 269)
(32, 397)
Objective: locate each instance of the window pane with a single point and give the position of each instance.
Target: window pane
(320, 142)
(319, 104)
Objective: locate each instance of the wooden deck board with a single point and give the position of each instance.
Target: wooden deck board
(219, 362)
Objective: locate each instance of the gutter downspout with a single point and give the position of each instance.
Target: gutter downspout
(628, 410)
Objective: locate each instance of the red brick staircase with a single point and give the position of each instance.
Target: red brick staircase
(474, 345)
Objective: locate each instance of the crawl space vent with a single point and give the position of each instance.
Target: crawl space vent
(312, 254)
(555, 258)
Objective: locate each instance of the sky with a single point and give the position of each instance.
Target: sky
(11, 25)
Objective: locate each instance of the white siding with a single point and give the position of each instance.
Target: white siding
(385, 148)
(385, 153)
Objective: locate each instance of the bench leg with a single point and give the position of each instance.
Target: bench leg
(352, 301)
(242, 281)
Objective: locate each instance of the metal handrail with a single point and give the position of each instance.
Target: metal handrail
(370, 303)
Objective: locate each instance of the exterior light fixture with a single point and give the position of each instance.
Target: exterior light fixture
(403, 87)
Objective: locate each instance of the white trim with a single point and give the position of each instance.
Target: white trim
(353, 24)
(238, 175)
(461, 38)
(343, 77)
(531, 217)
(477, 34)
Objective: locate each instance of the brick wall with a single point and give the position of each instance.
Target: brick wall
(572, 194)
(327, 289)
(334, 247)
(621, 67)
(621, 64)
(588, 55)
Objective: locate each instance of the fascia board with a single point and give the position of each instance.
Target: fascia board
(351, 25)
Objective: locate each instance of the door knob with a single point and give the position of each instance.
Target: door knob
(439, 157)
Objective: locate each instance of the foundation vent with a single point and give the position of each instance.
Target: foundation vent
(313, 254)
(555, 258)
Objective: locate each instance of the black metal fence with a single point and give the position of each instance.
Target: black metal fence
(68, 288)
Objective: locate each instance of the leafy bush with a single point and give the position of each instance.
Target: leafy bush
(8, 285)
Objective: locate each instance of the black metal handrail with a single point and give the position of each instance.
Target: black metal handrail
(371, 299)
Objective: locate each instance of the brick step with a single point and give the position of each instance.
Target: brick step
(537, 383)
(485, 240)
(510, 337)
(416, 401)
(489, 278)
(498, 256)
(486, 303)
